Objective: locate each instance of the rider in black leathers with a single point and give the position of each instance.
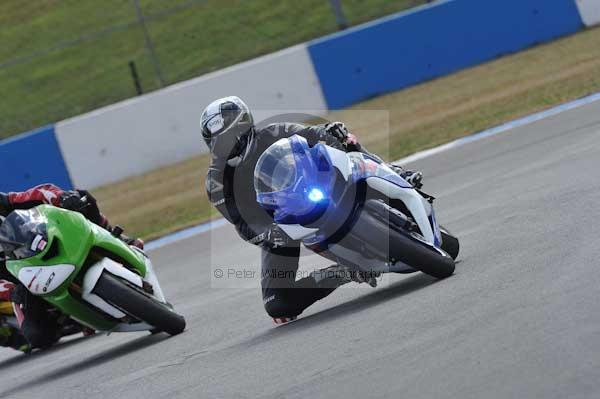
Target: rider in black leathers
(236, 145)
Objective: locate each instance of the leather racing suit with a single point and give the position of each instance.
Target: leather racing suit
(230, 188)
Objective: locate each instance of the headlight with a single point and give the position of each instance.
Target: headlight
(315, 195)
(42, 280)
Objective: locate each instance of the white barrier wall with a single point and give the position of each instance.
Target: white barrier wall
(590, 11)
(161, 128)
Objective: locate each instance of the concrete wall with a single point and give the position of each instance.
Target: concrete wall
(590, 11)
(161, 128)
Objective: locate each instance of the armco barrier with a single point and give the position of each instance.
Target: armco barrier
(163, 127)
(590, 11)
(31, 159)
(431, 41)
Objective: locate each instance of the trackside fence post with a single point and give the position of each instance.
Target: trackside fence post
(338, 11)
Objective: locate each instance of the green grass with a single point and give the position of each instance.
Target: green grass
(205, 35)
(420, 117)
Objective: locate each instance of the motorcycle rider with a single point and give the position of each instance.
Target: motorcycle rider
(236, 144)
(9, 335)
(37, 330)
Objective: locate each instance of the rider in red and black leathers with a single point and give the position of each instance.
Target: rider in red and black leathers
(30, 310)
(236, 145)
(52, 195)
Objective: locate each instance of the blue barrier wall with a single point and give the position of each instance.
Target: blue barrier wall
(432, 41)
(375, 58)
(31, 159)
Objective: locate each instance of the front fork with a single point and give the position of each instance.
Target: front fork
(420, 209)
(116, 269)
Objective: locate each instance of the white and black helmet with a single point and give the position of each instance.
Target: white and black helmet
(227, 124)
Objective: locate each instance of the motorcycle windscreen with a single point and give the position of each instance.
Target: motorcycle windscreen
(23, 234)
(365, 166)
(276, 168)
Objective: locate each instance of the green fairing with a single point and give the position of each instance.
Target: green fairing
(76, 237)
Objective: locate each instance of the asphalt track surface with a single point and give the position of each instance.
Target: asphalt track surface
(520, 317)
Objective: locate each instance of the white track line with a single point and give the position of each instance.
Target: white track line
(203, 228)
(502, 128)
(184, 234)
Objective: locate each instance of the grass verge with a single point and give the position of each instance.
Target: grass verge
(60, 58)
(421, 117)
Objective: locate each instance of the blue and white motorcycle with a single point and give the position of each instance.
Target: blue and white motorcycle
(353, 209)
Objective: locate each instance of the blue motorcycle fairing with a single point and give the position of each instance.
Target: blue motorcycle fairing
(296, 182)
(365, 166)
(309, 191)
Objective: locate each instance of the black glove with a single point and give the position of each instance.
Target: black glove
(340, 132)
(337, 130)
(72, 201)
(414, 177)
(83, 202)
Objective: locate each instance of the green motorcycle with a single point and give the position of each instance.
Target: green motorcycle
(85, 272)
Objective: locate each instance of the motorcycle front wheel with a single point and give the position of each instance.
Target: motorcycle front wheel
(133, 302)
(373, 228)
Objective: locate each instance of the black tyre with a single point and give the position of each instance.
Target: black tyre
(373, 228)
(450, 243)
(133, 302)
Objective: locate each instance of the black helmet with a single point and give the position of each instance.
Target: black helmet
(226, 126)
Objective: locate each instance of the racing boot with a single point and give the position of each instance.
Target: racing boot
(35, 323)
(284, 320)
(12, 338)
(333, 277)
(88, 332)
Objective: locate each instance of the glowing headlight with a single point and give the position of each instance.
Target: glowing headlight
(315, 195)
